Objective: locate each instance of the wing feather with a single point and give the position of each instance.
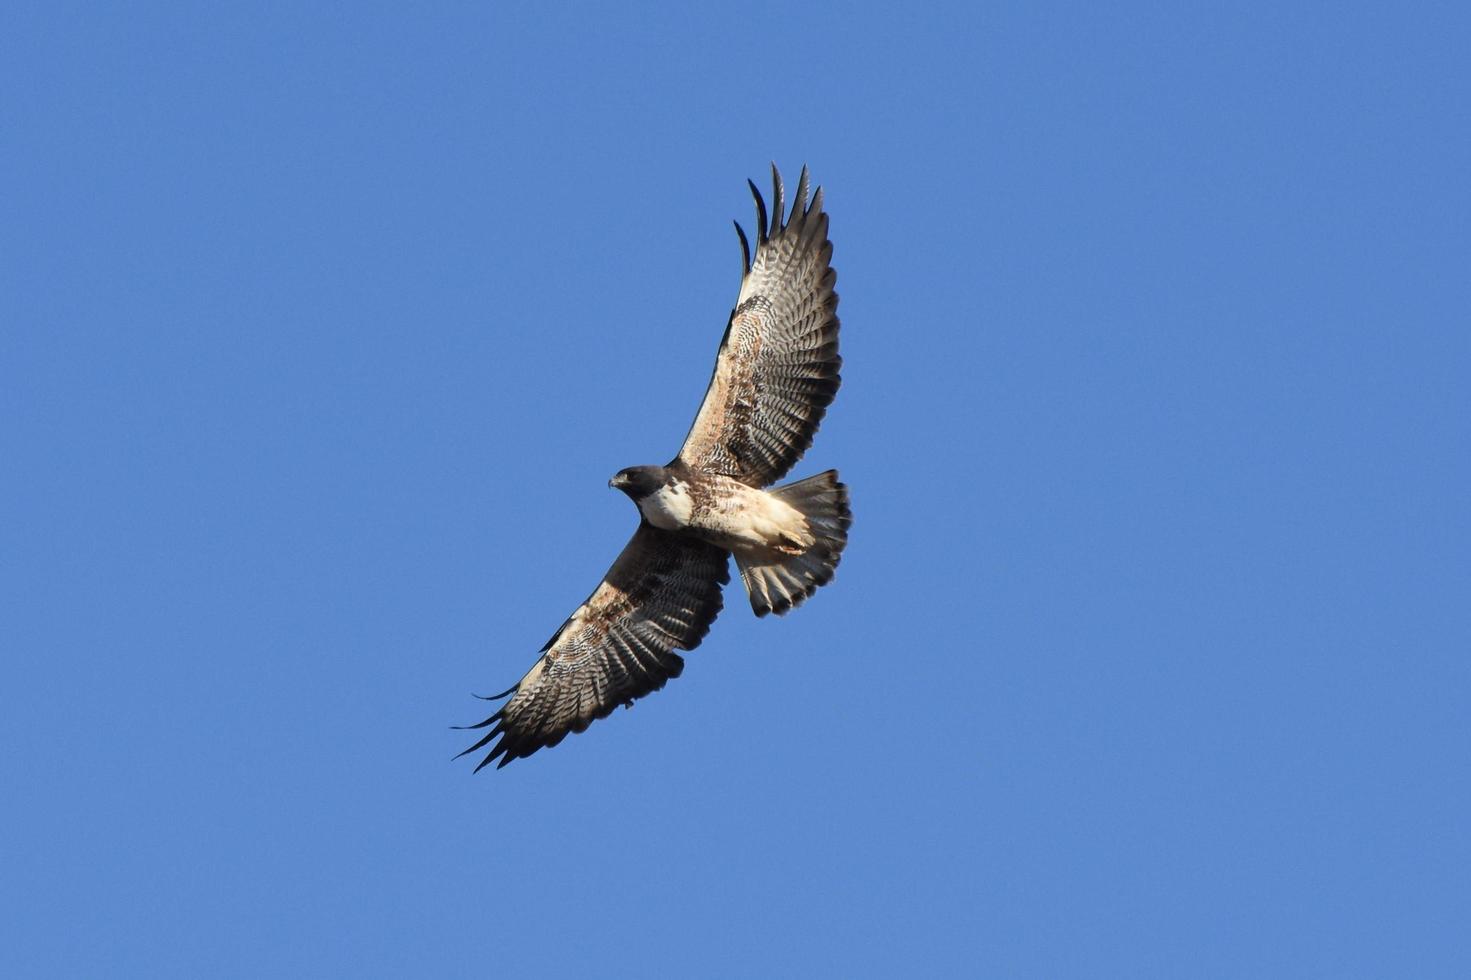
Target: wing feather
(745, 249)
(661, 594)
(778, 366)
(762, 231)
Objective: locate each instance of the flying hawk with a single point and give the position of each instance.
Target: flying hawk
(775, 375)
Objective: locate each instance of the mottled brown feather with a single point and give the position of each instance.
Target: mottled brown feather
(661, 594)
(778, 366)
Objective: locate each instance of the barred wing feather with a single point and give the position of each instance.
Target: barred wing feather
(777, 370)
(661, 594)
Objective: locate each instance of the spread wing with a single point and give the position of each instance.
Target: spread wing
(662, 593)
(777, 370)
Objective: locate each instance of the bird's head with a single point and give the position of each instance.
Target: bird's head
(638, 481)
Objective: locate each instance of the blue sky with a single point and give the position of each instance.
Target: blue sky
(324, 327)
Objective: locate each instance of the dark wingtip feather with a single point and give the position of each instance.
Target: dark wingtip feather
(471, 728)
(778, 200)
(503, 748)
(761, 233)
(799, 206)
(814, 224)
(489, 737)
(745, 248)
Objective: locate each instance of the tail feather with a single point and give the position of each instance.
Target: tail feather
(777, 583)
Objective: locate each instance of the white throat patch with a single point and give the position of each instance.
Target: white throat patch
(668, 507)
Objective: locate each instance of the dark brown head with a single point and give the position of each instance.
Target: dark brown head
(638, 481)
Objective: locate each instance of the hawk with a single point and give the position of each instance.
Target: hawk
(775, 375)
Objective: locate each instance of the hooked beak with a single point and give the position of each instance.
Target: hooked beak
(618, 482)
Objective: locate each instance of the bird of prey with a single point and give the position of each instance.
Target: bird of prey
(775, 375)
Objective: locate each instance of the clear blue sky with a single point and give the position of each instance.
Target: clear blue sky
(325, 326)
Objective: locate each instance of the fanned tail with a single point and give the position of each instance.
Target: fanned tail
(777, 583)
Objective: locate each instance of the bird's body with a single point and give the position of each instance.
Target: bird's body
(717, 509)
(775, 375)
